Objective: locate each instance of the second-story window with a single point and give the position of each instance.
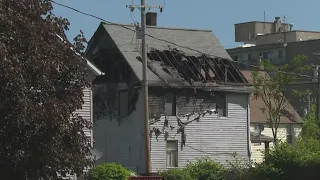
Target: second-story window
(123, 97)
(170, 104)
(221, 105)
(249, 57)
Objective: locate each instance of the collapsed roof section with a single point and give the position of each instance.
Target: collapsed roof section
(196, 68)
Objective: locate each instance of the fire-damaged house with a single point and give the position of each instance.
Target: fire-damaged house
(198, 98)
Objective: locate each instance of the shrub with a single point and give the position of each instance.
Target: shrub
(239, 168)
(206, 169)
(109, 171)
(175, 174)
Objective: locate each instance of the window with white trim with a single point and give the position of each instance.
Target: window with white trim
(172, 153)
(289, 130)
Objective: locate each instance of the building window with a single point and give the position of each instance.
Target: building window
(235, 58)
(280, 54)
(265, 56)
(123, 103)
(170, 104)
(172, 153)
(289, 134)
(221, 105)
(250, 57)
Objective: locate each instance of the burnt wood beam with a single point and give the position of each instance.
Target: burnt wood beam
(186, 63)
(183, 72)
(226, 67)
(195, 66)
(212, 69)
(236, 68)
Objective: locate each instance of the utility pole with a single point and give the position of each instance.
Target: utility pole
(142, 8)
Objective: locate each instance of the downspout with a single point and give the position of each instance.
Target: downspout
(248, 129)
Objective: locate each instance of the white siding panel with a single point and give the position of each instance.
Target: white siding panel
(122, 142)
(86, 110)
(212, 136)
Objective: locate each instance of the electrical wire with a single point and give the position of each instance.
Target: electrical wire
(163, 40)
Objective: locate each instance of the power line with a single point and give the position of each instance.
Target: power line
(163, 40)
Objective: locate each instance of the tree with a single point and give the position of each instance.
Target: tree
(310, 128)
(41, 84)
(271, 84)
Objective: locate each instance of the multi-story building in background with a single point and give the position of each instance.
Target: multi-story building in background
(279, 43)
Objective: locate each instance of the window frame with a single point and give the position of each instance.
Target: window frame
(176, 151)
(119, 105)
(173, 104)
(225, 104)
(289, 134)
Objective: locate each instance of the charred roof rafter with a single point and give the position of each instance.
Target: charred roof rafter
(197, 68)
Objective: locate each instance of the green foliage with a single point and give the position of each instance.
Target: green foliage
(310, 128)
(176, 174)
(271, 84)
(109, 171)
(265, 171)
(206, 169)
(238, 168)
(301, 160)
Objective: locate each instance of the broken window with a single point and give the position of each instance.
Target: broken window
(123, 103)
(221, 105)
(170, 104)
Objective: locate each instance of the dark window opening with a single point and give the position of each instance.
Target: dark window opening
(221, 105)
(235, 58)
(170, 104)
(280, 53)
(250, 57)
(123, 103)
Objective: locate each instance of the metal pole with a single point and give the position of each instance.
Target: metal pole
(145, 87)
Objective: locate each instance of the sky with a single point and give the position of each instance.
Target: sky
(218, 16)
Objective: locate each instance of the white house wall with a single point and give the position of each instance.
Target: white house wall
(256, 149)
(122, 142)
(214, 137)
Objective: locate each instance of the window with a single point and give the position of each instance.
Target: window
(265, 56)
(221, 105)
(170, 104)
(123, 103)
(280, 53)
(235, 58)
(289, 134)
(172, 153)
(250, 57)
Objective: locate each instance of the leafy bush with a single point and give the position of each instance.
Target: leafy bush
(109, 171)
(265, 171)
(176, 174)
(238, 168)
(206, 169)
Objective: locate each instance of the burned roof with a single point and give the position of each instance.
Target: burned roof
(196, 57)
(289, 115)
